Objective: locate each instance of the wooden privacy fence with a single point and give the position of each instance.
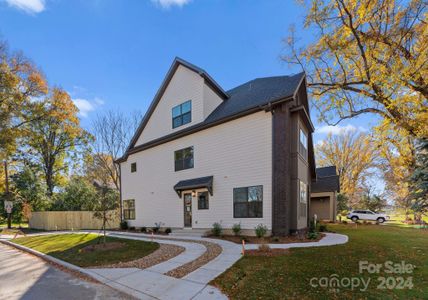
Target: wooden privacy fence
(71, 220)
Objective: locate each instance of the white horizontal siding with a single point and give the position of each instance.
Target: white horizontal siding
(236, 153)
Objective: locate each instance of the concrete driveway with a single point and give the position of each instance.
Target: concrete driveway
(24, 276)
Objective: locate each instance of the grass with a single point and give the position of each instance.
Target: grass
(14, 225)
(288, 276)
(66, 247)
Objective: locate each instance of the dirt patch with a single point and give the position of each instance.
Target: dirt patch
(164, 253)
(269, 240)
(103, 247)
(271, 252)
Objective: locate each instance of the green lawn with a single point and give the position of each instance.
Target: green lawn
(66, 247)
(289, 276)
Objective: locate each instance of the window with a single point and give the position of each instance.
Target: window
(182, 114)
(133, 167)
(203, 200)
(303, 144)
(248, 202)
(129, 209)
(303, 198)
(183, 159)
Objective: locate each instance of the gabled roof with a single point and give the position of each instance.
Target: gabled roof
(175, 64)
(327, 180)
(250, 97)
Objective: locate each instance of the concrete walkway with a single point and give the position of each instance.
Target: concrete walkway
(151, 283)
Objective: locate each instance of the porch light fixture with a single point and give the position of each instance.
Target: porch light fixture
(193, 193)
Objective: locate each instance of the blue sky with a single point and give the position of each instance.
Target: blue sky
(112, 54)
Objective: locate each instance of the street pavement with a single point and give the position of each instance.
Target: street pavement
(24, 276)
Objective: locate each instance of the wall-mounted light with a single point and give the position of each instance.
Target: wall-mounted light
(193, 193)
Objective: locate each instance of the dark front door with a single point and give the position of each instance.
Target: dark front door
(188, 210)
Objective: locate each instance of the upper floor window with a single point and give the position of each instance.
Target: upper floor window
(248, 202)
(133, 167)
(183, 159)
(182, 114)
(303, 143)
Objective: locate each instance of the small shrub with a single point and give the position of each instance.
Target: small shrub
(264, 248)
(344, 222)
(322, 228)
(275, 239)
(155, 229)
(168, 230)
(260, 230)
(143, 229)
(312, 235)
(217, 229)
(236, 228)
(312, 226)
(132, 228)
(123, 225)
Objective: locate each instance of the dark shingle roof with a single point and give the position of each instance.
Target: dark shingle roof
(326, 171)
(327, 180)
(195, 183)
(255, 93)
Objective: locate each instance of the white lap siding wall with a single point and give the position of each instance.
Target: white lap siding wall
(237, 153)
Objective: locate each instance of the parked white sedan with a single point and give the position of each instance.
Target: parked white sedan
(356, 215)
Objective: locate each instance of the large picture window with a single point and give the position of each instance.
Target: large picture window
(183, 159)
(248, 202)
(129, 209)
(203, 200)
(182, 114)
(303, 143)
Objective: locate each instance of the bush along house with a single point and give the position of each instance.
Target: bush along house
(203, 155)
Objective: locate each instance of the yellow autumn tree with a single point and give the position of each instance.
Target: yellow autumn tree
(355, 157)
(55, 140)
(370, 56)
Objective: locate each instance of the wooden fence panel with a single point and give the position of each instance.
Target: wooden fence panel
(70, 220)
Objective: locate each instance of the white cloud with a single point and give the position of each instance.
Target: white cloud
(86, 106)
(335, 130)
(29, 6)
(169, 3)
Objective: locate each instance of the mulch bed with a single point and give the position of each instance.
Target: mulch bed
(213, 250)
(164, 253)
(268, 240)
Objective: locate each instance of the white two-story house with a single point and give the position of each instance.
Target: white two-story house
(203, 155)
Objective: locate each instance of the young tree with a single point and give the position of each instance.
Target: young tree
(354, 156)
(55, 140)
(105, 205)
(369, 57)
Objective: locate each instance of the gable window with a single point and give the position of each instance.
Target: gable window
(182, 114)
(248, 202)
(303, 143)
(203, 200)
(183, 159)
(133, 167)
(303, 198)
(129, 209)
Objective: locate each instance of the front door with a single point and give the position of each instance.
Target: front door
(187, 210)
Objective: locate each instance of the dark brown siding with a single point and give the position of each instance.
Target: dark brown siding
(281, 193)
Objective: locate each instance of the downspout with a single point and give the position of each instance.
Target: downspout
(120, 193)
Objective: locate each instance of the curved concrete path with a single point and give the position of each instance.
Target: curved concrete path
(151, 283)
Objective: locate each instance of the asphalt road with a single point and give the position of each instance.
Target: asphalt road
(23, 276)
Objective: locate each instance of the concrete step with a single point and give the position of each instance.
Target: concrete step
(188, 232)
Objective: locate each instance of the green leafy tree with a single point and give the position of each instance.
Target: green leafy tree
(56, 140)
(78, 194)
(419, 179)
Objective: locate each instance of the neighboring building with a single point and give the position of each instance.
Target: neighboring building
(203, 155)
(324, 194)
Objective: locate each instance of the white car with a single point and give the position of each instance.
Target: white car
(356, 215)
